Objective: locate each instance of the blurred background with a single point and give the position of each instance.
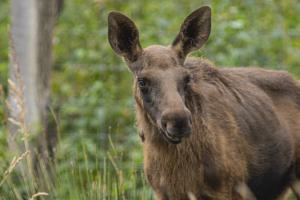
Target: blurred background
(67, 126)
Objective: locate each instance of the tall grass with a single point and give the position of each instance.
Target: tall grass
(77, 183)
(107, 180)
(19, 137)
(74, 181)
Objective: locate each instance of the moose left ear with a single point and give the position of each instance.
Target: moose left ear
(123, 36)
(194, 32)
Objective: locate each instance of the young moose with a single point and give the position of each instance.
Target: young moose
(206, 130)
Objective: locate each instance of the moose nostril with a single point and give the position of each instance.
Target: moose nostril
(164, 124)
(181, 121)
(178, 127)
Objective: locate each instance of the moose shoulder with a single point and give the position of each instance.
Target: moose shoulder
(207, 130)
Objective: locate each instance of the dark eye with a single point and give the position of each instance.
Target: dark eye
(141, 83)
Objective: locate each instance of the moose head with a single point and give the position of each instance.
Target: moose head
(161, 78)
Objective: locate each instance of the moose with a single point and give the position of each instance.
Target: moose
(206, 130)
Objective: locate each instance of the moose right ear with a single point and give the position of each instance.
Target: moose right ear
(123, 36)
(194, 32)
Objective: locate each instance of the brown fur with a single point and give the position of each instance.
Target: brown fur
(220, 129)
(221, 147)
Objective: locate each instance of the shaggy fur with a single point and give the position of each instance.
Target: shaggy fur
(244, 129)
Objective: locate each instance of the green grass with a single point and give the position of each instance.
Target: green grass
(83, 180)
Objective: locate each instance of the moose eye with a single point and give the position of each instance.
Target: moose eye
(141, 83)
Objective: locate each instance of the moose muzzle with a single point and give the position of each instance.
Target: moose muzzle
(176, 125)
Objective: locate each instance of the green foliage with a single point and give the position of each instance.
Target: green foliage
(4, 11)
(91, 87)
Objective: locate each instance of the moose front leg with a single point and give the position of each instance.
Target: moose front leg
(161, 196)
(295, 186)
(243, 192)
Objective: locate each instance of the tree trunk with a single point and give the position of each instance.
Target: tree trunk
(29, 96)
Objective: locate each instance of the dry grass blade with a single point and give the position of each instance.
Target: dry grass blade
(38, 195)
(119, 172)
(15, 161)
(16, 90)
(16, 106)
(13, 121)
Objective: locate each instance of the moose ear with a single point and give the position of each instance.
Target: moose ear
(194, 32)
(123, 36)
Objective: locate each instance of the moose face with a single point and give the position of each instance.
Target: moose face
(161, 80)
(162, 87)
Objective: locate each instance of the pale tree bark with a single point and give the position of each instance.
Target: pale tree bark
(31, 59)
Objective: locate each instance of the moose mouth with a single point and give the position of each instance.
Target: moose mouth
(171, 139)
